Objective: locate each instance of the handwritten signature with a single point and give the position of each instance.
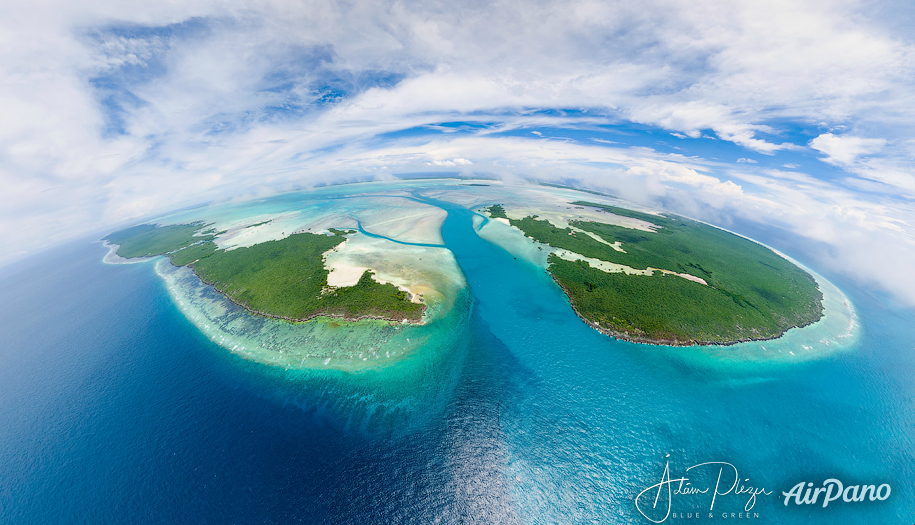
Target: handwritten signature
(726, 473)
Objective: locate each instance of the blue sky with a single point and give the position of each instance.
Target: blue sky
(793, 116)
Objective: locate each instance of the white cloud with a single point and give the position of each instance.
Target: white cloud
(844, 150)
(450, 163)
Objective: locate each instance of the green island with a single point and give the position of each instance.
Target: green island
(284, 278)
(148, 240)
(496, 211)
(751, 293)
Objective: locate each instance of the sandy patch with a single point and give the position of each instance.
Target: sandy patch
(618, 246)
(617, 268)
(429, 274)
(689, 277)
(342, 274)
(605, 266)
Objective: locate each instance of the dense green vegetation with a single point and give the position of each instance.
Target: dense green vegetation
(284, 278)
(370, 298)
(496, 211)
(192, 253)
(147, 240)
(752, 292)
(287, 278)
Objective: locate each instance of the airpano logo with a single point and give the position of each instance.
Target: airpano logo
(804, 493)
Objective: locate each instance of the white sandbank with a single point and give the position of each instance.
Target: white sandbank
(430, 274)
(617, 268)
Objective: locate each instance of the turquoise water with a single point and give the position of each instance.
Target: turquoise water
(119, 410)
(595, 418)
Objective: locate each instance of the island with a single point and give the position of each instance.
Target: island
(662, 279)
(375, 256)
(284, 278)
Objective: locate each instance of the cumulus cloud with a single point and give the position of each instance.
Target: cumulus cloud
(845, 150)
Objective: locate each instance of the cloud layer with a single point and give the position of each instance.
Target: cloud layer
(796, 115)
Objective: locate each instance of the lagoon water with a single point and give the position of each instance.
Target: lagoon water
(115, 408)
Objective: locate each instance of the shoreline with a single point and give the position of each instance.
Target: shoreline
(112, 256)
(622, 336)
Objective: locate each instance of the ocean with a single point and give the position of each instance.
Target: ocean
(115, 408)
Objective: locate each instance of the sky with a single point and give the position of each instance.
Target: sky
(795, 118)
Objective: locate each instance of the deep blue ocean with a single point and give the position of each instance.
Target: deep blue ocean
(114, 408)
